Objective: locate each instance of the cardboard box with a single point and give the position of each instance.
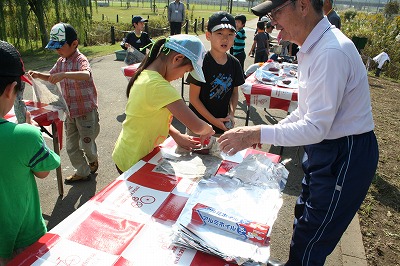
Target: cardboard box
(253, 231)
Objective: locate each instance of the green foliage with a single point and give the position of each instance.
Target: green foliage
(391, 8)
(381, 32)
(192, 12)
(349, 15)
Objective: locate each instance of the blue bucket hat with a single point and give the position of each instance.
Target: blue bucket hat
(191, 47)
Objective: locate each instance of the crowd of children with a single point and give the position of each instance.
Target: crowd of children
(214, 79)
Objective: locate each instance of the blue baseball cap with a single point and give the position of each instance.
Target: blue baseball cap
(60, 34)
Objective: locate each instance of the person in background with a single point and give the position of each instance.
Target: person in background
(137, 38)
(152, 101)
(240, 40)
(176, 16)
(331, 14)
(215, 99)
(82, 127)
(268, 29)
(260, 44)
(341, 155)
(264, 19)
(380, 59)
(24, 155)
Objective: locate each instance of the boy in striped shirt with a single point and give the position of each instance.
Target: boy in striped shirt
(239, 42)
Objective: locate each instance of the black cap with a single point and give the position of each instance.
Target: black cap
(137, 19)
(266, 7)
(242, 18)
(11, 64)
(221, 20)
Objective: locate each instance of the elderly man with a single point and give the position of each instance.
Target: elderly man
(333, 121)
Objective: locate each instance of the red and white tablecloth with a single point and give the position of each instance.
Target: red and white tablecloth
(127, 223)
(269, 96)
(130, 70)
(44, 115)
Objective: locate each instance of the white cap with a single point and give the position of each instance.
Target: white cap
(191, 47)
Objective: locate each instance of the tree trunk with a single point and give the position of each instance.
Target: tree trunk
(38, 8)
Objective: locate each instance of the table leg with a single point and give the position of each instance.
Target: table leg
(247, 115)
(183, 87)
(57, 150)
(274, 121)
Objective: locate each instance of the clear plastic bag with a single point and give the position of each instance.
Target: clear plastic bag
(133, 56)
(48, 93)
(249, 191)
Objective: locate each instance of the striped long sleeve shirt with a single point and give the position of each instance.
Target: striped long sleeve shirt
(239, 43)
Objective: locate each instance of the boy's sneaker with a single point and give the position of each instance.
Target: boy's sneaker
(75, 178)
(94, 166)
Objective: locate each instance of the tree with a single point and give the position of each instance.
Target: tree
(391, 8)
(38, 7)
(18, 18)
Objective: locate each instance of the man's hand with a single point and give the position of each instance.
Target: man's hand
(239, 138)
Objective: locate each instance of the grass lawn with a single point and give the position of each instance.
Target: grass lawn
(143, 9)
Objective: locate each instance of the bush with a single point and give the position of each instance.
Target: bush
(349, 15)
(391, 8)
(381, 32)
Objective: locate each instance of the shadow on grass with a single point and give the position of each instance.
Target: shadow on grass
(386, 193)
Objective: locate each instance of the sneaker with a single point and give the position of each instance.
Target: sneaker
(94, 166)
(75, 177)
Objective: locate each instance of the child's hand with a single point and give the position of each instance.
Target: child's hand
(207, 135)
(187, 142)
(221, 123)
(57, 77)
(29, 120)
(33, 74)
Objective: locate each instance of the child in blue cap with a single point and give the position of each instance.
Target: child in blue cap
(153, 101)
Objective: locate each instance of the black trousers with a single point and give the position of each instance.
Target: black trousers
(241, 57)
(378, 72)
(176, 27)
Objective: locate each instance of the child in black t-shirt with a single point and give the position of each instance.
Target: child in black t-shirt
(137, 38)
(260, 44)
(216, 100)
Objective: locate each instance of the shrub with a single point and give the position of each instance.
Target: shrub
(391, 8)
(381, 32)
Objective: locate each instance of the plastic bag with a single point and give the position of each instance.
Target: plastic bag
(19, 105)
(251, 191)
(133, 56)
(48, 93)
